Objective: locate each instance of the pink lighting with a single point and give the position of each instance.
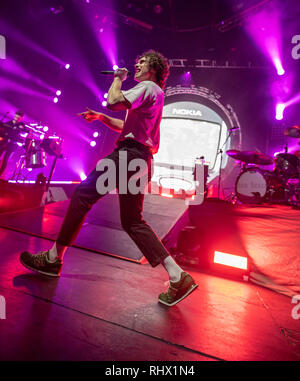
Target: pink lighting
(104, 103)
(92, 143)
(67, 66)
(115, 67)
(95, 134)
(55, 99)
(58, 93)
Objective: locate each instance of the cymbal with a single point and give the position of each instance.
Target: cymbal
(250, 157)
(293, 132)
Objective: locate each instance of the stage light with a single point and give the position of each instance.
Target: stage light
(115, 67)
(42, 136)
(82, 176)
(104, 103)
(278, 65)
(166, 195)
(105, 95)
(95, 134)
(55, 99)
(92, 143)
(279, 111)
(231, 260)
(45, 129)
(58, 93)
(67, 66)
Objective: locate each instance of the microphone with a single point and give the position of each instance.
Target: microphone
(111, 72)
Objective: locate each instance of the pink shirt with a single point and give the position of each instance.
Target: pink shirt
(142, 120)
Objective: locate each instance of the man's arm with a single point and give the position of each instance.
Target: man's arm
(113, 123)
(116, 100)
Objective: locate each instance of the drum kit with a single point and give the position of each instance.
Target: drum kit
(278, 186)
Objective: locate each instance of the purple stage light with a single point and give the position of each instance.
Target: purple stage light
(82, 176)
(95, 134)
(105, 95)
(45, 129)
(279, 111)
(92, 143)
(55, 99)
(67, 66)
(58, 93)
(278, 65)
(115, 67)
(265, 29)
(104, 103)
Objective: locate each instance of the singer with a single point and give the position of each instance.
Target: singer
(139, 139)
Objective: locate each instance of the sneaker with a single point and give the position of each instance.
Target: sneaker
(39, 262)
(178, 290)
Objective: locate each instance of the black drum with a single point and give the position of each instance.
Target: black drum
(254, 186)
(286, 165)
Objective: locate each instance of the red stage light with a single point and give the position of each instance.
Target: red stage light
(166, 195)
(231, 260)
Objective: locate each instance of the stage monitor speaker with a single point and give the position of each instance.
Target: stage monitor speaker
(19, 196)
(54, 194)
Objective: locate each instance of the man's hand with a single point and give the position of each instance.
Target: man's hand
(121, 73)
(90, 115)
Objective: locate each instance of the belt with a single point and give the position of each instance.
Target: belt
(129, 142)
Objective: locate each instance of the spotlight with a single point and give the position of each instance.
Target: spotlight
(92, 143)
(105, 95)
(58, 93)
(95, 134)
(42, 136)
(82, 176)
(115, 67)
(55, 99)
(67, 66)
(278, 65)
(104, 103)
(231, 260)
(45, 129)
(279, 111)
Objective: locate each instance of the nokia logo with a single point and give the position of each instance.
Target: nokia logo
(183, 111)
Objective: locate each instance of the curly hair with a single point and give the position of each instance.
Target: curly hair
(160, 64)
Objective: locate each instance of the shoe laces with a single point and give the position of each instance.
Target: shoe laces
(40, 258)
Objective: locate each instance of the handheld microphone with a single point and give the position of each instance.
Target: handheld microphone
(111, 72)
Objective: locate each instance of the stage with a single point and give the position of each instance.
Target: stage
(105, 308)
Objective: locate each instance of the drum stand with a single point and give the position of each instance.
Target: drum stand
(221, 161)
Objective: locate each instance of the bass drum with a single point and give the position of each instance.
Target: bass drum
(251, 186)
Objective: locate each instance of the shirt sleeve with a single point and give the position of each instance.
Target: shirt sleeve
(137, 95)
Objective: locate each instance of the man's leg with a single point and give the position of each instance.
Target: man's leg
(82, 200)
(181, 283)
(5, 161)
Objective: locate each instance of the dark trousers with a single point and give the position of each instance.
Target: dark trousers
(8, 150)
(131, 205)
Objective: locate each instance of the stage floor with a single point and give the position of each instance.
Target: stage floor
(105, 308)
